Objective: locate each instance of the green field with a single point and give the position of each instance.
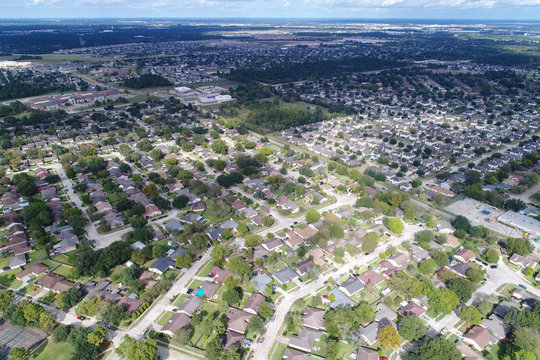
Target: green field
(52, 351)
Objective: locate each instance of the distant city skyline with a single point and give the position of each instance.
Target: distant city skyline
(320, 9)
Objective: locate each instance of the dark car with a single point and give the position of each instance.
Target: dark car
(493, 266)
(189, 291)
(6, 268)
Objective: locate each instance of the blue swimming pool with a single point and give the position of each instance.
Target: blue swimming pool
(200, 292)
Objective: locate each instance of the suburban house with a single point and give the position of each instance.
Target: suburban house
(305, 339)
(478, 337)
(313, 318)
(238, 320)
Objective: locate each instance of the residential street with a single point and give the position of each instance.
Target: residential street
(262, 351)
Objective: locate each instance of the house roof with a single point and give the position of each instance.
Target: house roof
(292, 354)
(285, 275)
(367, 354)
(412, 308)
(162, 264)
(238, 320)
(305, 338)
(294, 240)
(129, 304)
(313, 317)
(190, 305)
(495, 325)
(479, 335)
(306, 232)
(465, 254)
(36, 269)
(503, 307)
(254, 302)
(340, 299)
(220, 274)
(352, 285)
(233, 339)
(273, 244)
(177, 321)
(384, 312)
(370, 332)
(261, 280)
(371, 277)
(210, 288)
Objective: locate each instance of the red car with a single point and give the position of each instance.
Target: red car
(382, 358)
(81, 318)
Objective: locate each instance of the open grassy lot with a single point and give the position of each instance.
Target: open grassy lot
(52, 351)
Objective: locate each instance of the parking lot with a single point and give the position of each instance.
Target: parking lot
(472, 210)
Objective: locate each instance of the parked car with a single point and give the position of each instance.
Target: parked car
(82, 318)
(522, 286)
(189, 291)
(6, 268)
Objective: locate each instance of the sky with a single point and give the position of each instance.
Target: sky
(361, 9)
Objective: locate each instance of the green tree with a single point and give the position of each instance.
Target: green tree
(151, 190)
(219, 146)
(443, 301)
(412, 328)
(527, 339)
(370, 241)
(97, 337)
(492, 256)
(463, 288)
(427, 267)
(425, 236)
(265, 310)
(6, 298)
(312, 216)
(132, 349)
(18, 353)
(520, 246)
(395, 225)
(471, 315)
(475, 275)
(364, 312)
(183, 261)
(434, 348)
(180, 201)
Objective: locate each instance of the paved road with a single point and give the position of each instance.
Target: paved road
(500, 276)
(262, 351)
(147, 321)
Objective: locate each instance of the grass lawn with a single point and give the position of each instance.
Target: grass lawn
(205, 271)
(180, 299)
(52, 351)
(8, 279)
(61, 258)
(48, 263)
(194, 284)
(165, 318)
(272, 268)
(4, 262)
(365, 295)
(319, 347)
(38, 255)
(278, 351)
(199, 339)
(62, 270)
